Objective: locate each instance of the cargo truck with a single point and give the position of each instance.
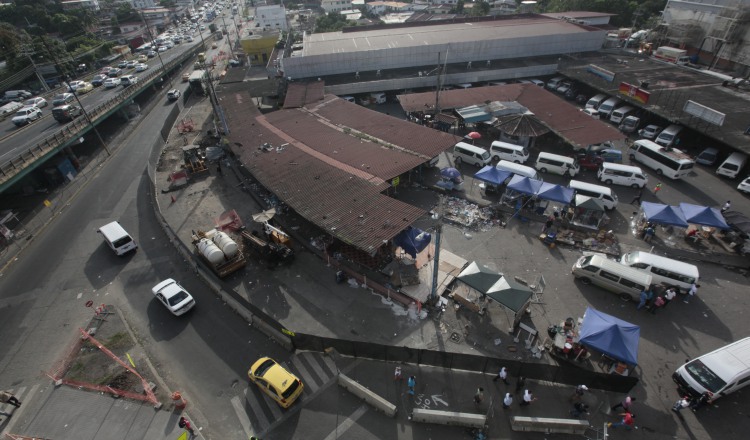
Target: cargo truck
(196, 81)
(217, 249)
(672, 55)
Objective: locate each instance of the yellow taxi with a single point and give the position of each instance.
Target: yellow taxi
(274, 380)
(142, 58)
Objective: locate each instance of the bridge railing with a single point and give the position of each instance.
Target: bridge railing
(79, 126)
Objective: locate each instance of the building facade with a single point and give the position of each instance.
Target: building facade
(336, 5)
(717, 30)
(92, 5)
(271, 17)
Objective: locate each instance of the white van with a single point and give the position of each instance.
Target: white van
(596, 101)
(378, 98)
(671, 273)
(554, 163)
(470, 154)
(667, 137)
(611, 275)
(620, 114)
(517, 168)
(117, 238)
(620, 174)
(607, 107)
(512, 153)
(601, 193)
(732, 166)
(721, 372)
(554, 83)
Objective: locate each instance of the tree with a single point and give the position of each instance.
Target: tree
(330, 22)
(480, 9)
(167, 3)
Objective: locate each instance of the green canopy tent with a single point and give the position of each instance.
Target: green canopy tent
(482, 283)
(588, 212)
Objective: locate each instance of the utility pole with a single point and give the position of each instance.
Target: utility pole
(66, 81)
(436, 261)
(28, 51)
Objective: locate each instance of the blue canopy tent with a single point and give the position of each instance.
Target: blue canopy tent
(703, 215)
(412, 240)
(524, 185)
(664, 214)
(612, 336)
(555, 193)
(492, 175)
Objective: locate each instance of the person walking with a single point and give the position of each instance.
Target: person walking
(411, 383)
(669, 296)
(479, 396)
(626, 404)
(579, 409)
(646, 296)
(548, 224)
(637, 197)
(701, 401)
(648, 233)
(185, 424)
(397, 374)
(520, 384)
(657, 188)
(507, 400)
(502, 375)
(578, 393)
(691, 293)
(9, 398)
(627, 421)
(655, 304)
(727, 206)
(528, 398)
(681, 404)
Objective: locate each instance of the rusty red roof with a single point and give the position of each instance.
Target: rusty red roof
(560, 116)
(326, 173)
(300, 93)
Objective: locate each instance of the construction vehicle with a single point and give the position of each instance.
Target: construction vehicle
(273, 253)
(195, 162)
(217, 249)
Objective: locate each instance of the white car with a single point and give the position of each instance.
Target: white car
(27, 115)
(649, 131)
(591, 112)
(744, 186)
(140, 67)
(38, 102)
(173, 296)
(111, 83)
(74, 85)
(162, 49)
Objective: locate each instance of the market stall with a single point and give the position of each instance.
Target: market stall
(587, 212)
(521, 192)
(492, 177)
(615, 339)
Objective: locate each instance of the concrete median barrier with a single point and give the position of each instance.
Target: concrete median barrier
(452, 418)
(375, 400)
(549, 425)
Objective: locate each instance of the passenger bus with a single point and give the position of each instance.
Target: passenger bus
(669, 162)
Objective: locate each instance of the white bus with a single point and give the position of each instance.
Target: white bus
(669, 162)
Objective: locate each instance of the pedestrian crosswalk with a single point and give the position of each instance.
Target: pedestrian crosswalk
(22, 394)
(257, 412)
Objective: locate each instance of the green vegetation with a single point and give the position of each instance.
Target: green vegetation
(331, 22)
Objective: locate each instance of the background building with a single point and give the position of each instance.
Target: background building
(271, 17)
(336, 5)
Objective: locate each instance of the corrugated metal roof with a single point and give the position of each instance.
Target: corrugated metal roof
(559, 115)
(314, 167)
(299, 94)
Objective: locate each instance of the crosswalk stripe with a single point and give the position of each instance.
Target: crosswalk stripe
(308, 381)
(239, 409)
(255, 407)
(313, 360)
(346, 424)
(330, 364)
(273, 407)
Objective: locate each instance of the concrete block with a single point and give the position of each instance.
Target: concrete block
(375, 400)
(452, 418)
(549, 425)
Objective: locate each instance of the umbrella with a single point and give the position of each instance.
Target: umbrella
(264, 216)
(474, 135)
(450, 173)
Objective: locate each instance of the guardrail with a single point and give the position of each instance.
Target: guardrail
(79, 126)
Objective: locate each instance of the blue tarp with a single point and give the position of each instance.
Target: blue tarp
(492, 175)
(612, 336)
(703, 215)
(664, 214)
(555, 193)
(412, 240)
(524, 185)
